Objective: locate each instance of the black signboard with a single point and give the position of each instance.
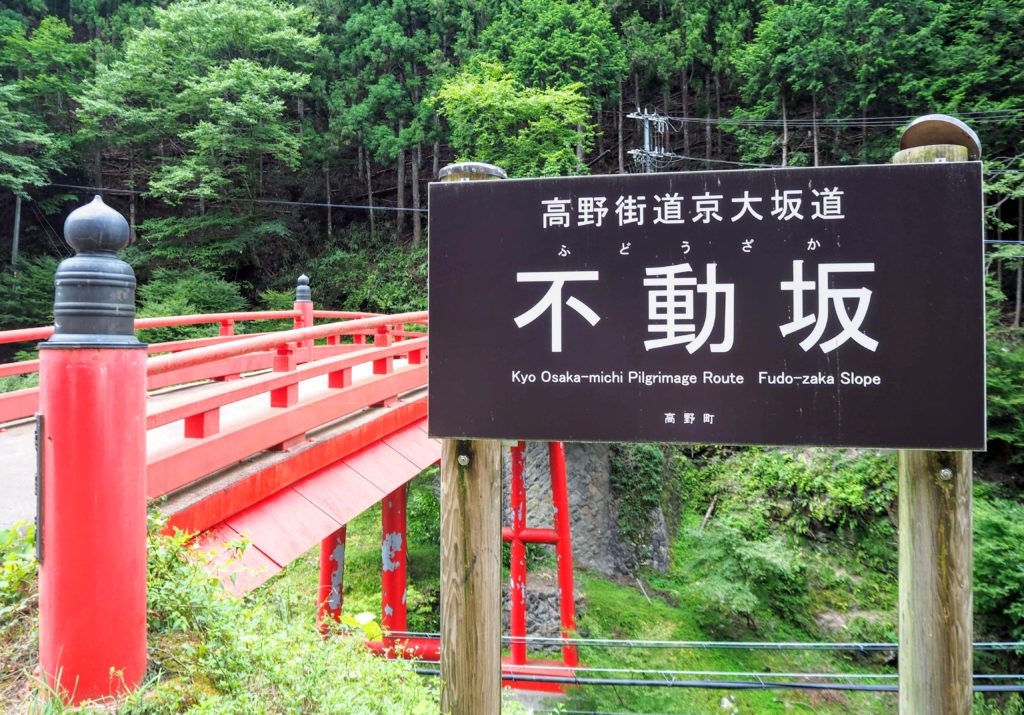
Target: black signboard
(836, 306)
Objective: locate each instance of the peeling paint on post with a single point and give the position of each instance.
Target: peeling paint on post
(393, 562)
(331, 593)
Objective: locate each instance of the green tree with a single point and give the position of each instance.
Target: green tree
(554, 43)
(199, 103)
(27, 150)
(528, 132)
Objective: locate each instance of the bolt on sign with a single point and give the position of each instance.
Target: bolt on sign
(838, 306)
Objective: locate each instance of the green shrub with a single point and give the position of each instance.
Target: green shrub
(214, 653)
(998, 565)
(18, 566)
(373, 276)
(185, 292)
(26, 293)
(637, 481)
(1005, 377)
(423, 510)
(738, 571)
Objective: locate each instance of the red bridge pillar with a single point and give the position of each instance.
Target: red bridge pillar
(394, 562)
(92, 518)
(332, 579)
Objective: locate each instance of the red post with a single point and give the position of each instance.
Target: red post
(331, 594)
(383, 339)
(563, 549)
(517, 566)
(227, 328)
(394, 562)
(92, 523)
(304, 304)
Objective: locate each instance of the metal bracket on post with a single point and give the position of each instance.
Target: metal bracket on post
(40, 437)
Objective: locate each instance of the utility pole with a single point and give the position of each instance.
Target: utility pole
(653, 155)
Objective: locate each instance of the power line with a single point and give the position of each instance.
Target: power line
(711, 645)
(717, 684)
(982, 116)
(280, 202)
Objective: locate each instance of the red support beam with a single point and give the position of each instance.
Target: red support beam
(563, 549)
(517, 570)
(394, 561)
(203, 424)
(331, 594)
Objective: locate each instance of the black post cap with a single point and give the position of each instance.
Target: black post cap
(302, 292)
(94, 305)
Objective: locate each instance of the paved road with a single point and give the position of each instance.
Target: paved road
(17, 473)
(17, 440)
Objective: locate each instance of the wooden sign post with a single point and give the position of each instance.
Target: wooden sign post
(471, 553)
(935, 593)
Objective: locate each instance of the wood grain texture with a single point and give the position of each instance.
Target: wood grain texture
(935, 558)
(471, 577)
(935, 589)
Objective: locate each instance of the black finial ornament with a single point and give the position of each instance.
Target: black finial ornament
(302, 292)
(95, 298)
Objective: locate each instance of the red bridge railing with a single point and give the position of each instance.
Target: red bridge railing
(19, 404)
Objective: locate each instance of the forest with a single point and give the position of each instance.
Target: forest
(250, 141)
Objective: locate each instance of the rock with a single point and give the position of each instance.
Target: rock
(543, 608)
(596, 541)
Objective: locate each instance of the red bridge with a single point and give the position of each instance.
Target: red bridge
(280, 437)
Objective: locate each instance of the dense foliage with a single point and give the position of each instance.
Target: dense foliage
(212, 111)
(253, 141)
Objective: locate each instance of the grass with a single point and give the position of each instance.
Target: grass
(211, 653)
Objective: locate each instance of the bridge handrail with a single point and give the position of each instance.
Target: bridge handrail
(275, 380)
(212, 353)
(23, 335)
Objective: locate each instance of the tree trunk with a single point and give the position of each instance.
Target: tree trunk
(437, 159)
(1020, 237)
(16, 235)
(131, 218)
(864, 135)
(785, 132)
(707, 124)
(636, 90)
(400, 220)
(999, 263)
(359, 163)
(718, 113)
(327, 185)
(814, 124)
(685, 82)
(622, 153)
(417, 219)
(369, 194)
